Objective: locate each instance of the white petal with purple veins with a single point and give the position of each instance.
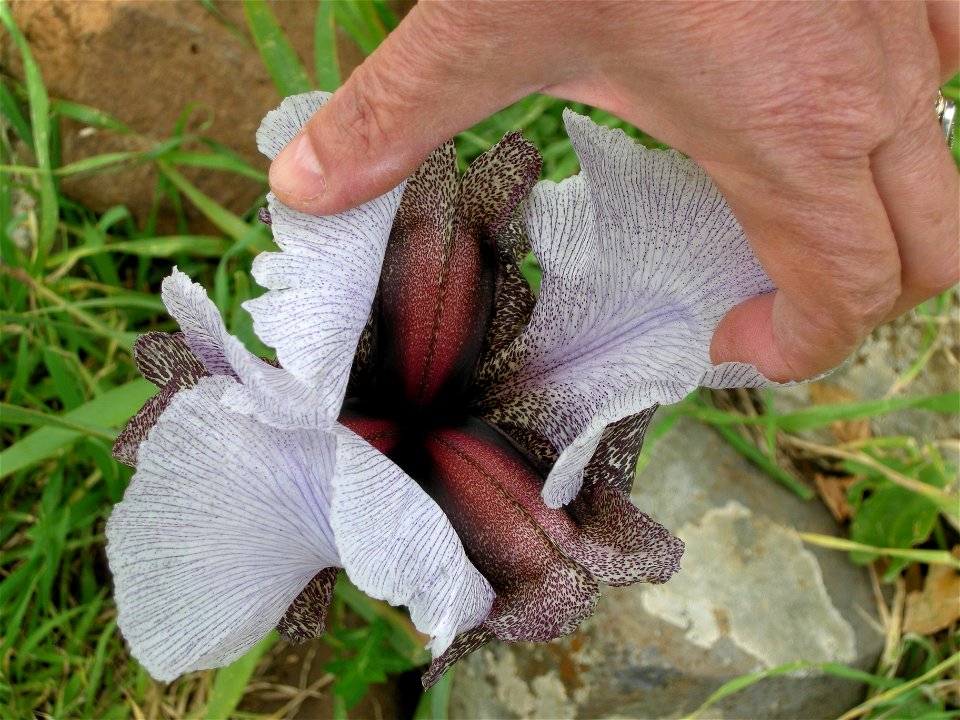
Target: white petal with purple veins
(280, 125)
(322, 285)
(397, 545)
(641, 258)
(224, 523)
(270, 394)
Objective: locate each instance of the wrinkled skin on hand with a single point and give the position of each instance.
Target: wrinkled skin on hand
(815, 121)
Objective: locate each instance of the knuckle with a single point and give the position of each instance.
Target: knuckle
(363, 118)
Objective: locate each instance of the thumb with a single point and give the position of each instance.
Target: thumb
(419, 88)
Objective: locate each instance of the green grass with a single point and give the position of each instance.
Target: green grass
(79, 286)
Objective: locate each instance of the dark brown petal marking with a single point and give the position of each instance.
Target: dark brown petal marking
(127, 444)
(615, 460)
(165, 360)
(164, 357)
(512, 305)
(430, 292)
(496, 183)
(304, 619)
(463, 645)
(492, 497)
(618, 544)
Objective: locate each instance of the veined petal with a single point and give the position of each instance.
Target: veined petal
(268, 393)
(281, 125)
(322, 285)
(224, 523)
(641, 257)
(397, 545)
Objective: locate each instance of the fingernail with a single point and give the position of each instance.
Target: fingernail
(296, 171)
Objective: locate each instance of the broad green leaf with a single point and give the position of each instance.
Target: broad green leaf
(110, 409)
(892, 517)
(278, 54)
(16, 415)
(364, 657)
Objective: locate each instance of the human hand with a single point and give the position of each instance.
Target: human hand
(815, 121)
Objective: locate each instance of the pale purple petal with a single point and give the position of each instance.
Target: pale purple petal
(322, 285)
(224, 523)
(397, 545)
(279, 126)
(641, 257)
(269, 394)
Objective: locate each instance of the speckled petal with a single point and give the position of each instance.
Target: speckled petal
(322, 285)
(166, 360)
(463, 645)
(491, 495)
(304, 619)
(397, 545)
(615, 460)
(222, 526)
(641, 257)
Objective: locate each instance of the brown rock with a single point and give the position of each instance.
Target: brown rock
(145, 63)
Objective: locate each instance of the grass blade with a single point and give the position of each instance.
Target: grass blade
(929, 557)
(231, 681)
(16, 415)
(278, 54)
(40, 121)
(326, 65)
(112, 408)
(749, 451)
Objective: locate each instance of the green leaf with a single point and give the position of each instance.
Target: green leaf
(112, 408)
(16, 415)
(231, 681)
(215, 161)
(326, 65)
(162, 247)
(89, 116)
(10, 109)
(835, 669)
(892, 517)
(365, 657)
(214, 212)
(40, 123)
(823, 415)
(278, 54)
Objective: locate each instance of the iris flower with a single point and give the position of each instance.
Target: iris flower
(456, 445)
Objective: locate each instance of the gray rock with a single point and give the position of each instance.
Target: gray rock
(750, 596)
